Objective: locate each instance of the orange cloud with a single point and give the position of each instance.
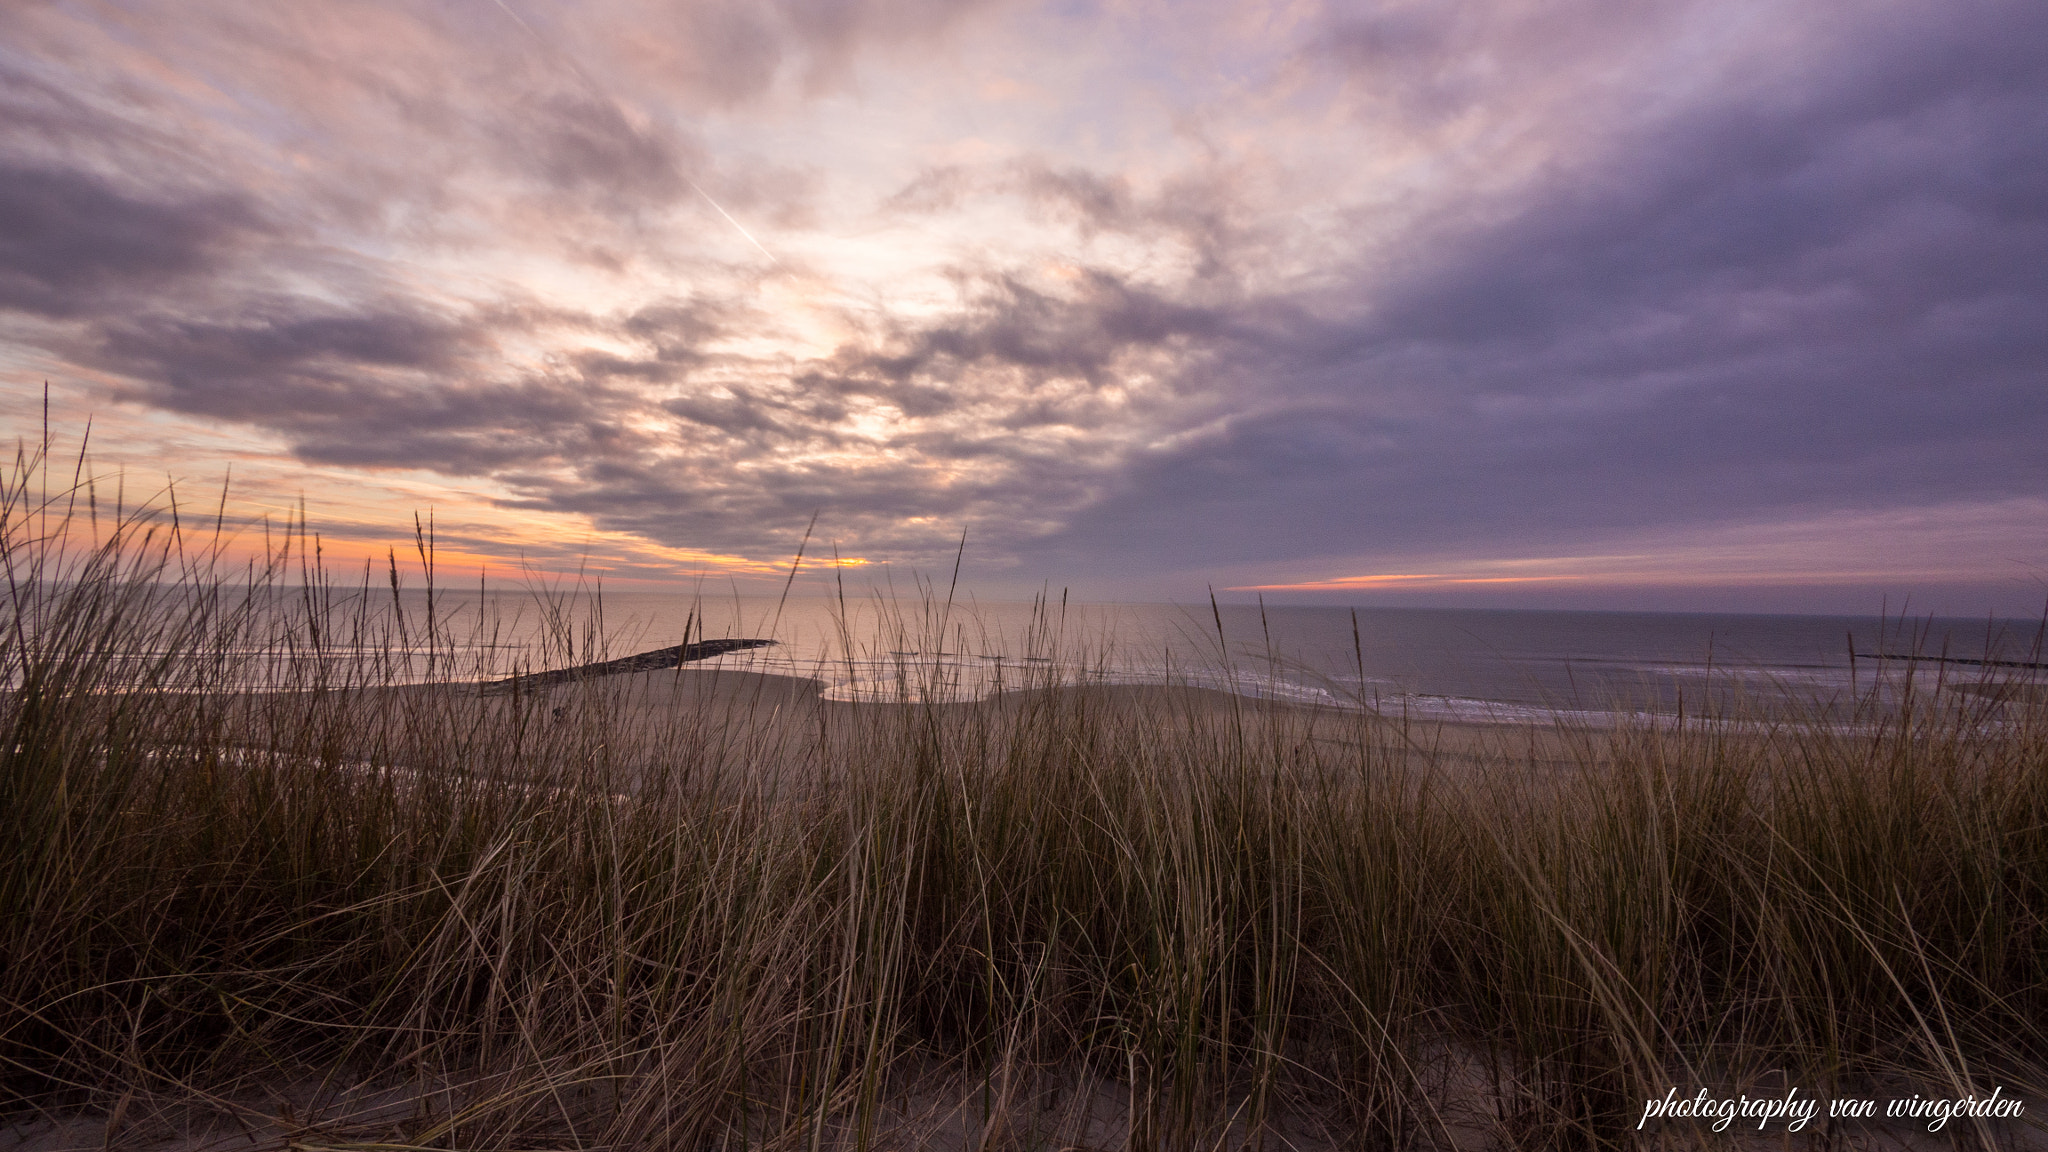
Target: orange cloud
(1395, 579)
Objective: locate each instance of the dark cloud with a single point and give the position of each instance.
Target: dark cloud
(990, 412)
(744, 414)
(395, 389)
(1006, 322)
(1198, 209)
(578, 144)
(1433, 63)
(1817, 297)
(642, 421)
(934, 190)
(988, 406)
(72, 243)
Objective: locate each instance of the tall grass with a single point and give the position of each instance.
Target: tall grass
(306, 900)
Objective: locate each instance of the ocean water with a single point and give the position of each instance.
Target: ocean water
(1426, 663)
(1450, 663)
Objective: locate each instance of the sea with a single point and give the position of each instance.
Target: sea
(1425, 663)
(1446, 663)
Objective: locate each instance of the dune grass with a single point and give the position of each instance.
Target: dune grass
(292, 900)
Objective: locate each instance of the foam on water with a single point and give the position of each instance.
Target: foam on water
(913, 677)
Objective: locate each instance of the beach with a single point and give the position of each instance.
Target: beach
(708, 905)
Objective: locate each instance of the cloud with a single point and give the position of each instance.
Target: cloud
(579, 146)
(371, 214)
(1198, 211)
(1004, 414)
(734, 51)
(403, 385)
(1515, 276)
(72, 243)
(1813, 295)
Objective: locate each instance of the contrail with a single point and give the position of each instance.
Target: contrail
(729, 220)
(605, 98)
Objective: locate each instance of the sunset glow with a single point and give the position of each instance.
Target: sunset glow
(1141, 298)
(1347, 583)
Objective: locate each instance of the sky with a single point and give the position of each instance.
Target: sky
(1681, 304)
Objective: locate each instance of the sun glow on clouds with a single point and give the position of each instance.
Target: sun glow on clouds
(1395, 580)
(1933, 546)
(1113, 288)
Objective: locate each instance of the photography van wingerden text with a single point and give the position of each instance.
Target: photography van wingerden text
(1796, 1111)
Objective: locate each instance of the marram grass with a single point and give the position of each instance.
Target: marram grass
(293, 902)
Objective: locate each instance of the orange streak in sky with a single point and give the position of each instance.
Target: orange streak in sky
(1394, 578)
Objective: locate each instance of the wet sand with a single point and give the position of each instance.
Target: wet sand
(651, 716)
